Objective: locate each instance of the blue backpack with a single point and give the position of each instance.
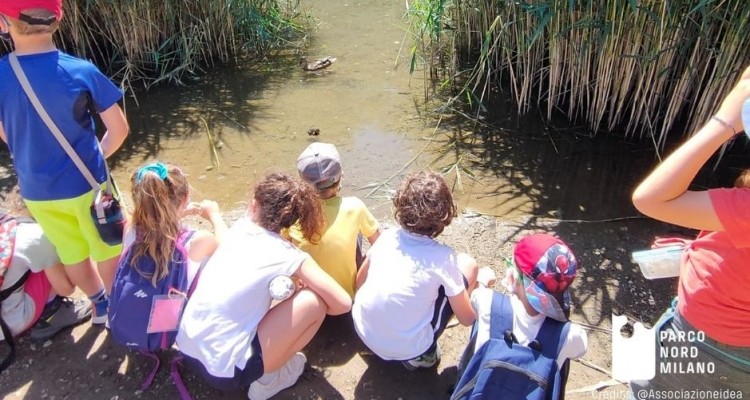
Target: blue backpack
(130, 304)
(504, 369)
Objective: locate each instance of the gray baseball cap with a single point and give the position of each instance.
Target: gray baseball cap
(320, 165)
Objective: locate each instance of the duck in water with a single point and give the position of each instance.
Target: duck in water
(317, 65)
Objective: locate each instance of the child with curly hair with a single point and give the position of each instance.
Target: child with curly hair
(410, 284)
(229, 334)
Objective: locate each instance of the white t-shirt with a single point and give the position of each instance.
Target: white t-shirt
(32, 252)
(393, 309)
(222, 316)
(525, 326)
(192, 266)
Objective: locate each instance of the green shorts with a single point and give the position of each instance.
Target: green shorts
(68, 225)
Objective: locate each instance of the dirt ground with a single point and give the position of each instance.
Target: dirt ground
(85, 364)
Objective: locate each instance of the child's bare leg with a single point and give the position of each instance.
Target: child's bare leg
(289, 327)
(84, 275)
(469, 268)
(107, 269)
(61, 284)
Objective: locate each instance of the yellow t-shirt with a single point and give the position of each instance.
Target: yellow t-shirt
(335, 252)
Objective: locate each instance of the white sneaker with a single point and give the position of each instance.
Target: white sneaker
(279, 380)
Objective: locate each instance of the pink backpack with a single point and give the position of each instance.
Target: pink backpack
(8, 225)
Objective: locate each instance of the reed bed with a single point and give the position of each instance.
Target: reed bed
(642, 68)
(153, 41)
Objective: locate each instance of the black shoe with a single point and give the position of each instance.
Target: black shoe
(60, 313)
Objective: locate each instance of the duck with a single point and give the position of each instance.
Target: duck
(317, 65)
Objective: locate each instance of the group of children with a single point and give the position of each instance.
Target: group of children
(401, 295)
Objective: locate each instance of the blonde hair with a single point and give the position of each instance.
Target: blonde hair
(743, 181)
(156, 216)
(24, 28)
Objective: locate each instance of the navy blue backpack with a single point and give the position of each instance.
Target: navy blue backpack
(130, 304)
(504, 369)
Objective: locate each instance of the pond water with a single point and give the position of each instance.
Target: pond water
(369, 105)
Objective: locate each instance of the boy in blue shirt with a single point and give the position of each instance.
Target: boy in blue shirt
(53, 188)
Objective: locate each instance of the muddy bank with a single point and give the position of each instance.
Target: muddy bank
(85, 364)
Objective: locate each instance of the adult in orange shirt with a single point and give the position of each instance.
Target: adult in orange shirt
(713, 306)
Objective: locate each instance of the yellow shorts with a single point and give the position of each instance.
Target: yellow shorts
(68, 225)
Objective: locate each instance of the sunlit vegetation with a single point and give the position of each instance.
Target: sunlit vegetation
(641, 68)
(153, 41)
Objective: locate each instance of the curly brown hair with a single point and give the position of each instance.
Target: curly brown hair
(282, 200)
(424, 204)
(156, 217)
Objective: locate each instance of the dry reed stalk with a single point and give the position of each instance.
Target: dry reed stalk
(165, 40)
(644, 68)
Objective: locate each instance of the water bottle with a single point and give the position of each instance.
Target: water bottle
(281, 288)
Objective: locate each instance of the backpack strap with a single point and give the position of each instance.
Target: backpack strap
(549, 341)
(150, 378)
(501, 317)
(194, 283)
(177, 379)
(551, 337)
(4, 294)
(7, 334)
(8, 225)
(185, 237)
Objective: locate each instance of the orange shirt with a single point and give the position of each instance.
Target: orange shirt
(714, 288)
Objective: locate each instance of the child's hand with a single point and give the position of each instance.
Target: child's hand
(729, 110)
(192, 208)
(205, 209)
(208, 208)
(486, 277)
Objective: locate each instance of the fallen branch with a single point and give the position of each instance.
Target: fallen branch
(593, 327)
(473, 213)
(594, 366)
(410, 162)
(596, 387)
(212, 144)
(229, 118)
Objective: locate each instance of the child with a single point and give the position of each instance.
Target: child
(229, 334)
(345, 218)
(544, 268)
(55, 191)
(713, 302)
(39, 301)
(161, 198)
(410, 285)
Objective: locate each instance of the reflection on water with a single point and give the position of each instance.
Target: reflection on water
(261, 112)
(366, 103)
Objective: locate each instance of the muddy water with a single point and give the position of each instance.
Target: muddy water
(369, 106)
(261, 112)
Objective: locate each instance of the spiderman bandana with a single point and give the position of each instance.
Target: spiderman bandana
(548, 267)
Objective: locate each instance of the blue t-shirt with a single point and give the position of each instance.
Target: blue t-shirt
(70, 89)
